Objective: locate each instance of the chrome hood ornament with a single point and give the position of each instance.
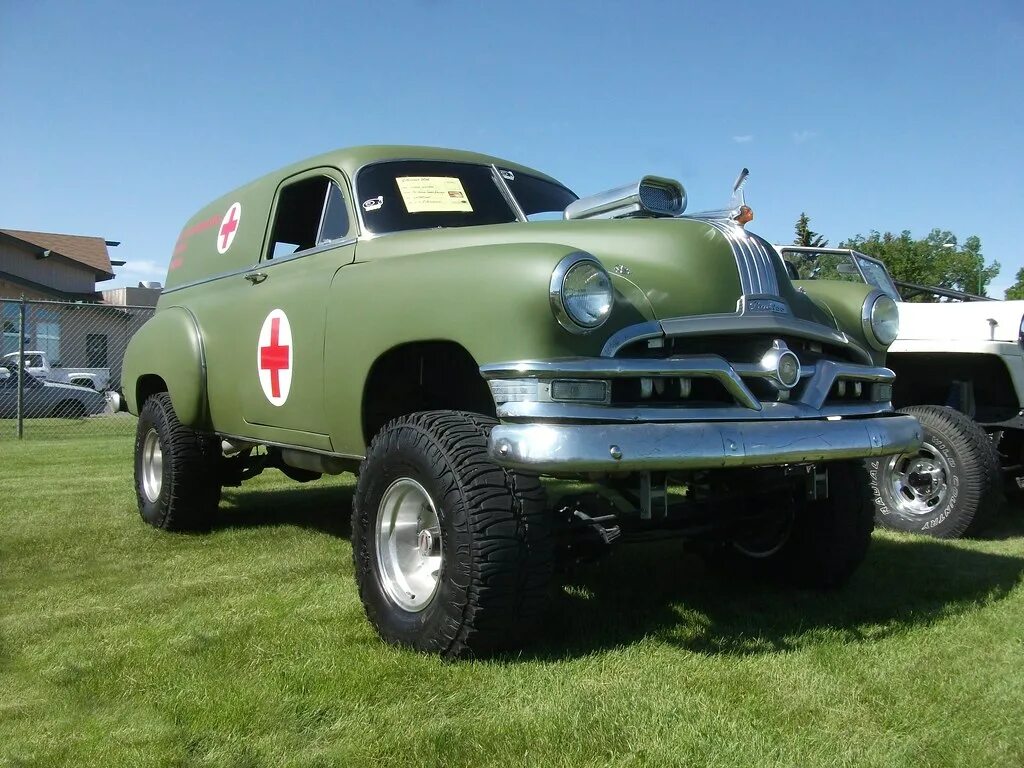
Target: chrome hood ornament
(736, 209)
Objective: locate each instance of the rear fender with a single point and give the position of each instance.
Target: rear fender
(169, 346)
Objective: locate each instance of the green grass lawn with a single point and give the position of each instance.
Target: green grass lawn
(247, 646)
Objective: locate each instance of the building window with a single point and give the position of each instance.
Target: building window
(48, 340)
(9, 322)
(96, 350)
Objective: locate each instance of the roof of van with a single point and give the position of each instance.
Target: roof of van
(351, 159)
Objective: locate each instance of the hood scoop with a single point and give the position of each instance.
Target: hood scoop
(651, 196)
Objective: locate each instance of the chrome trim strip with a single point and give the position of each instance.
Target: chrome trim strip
(773, 323)
(704, 366)
(340, 243)
(263, 264)
(753, 255)
(769, 323)
(631, 334)
(210, 279)
(830, 371)
(792, 410)
(811, 403)
(575, 448)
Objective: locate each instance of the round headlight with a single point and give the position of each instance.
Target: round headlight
(881, 320)
(581, 293)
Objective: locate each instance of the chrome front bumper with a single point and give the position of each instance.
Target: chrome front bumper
(572, 448)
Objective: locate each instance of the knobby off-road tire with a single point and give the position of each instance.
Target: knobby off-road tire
(828, 538)
(176, 478)
(950, 488)
(496, 549)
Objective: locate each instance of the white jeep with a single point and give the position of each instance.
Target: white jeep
(959, 364)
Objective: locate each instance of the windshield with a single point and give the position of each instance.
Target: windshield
(849, 266)
(877, 276)
(424, 194)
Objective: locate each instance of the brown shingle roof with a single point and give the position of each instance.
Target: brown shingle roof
(91, 251)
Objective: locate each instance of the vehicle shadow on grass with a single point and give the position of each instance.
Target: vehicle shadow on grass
(665, 593)
(324, 508)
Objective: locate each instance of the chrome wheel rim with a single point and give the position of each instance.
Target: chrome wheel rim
(152, 466)
(768, 541)
(919, 482)
(409, 544)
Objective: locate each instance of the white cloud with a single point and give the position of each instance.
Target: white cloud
(799, 137)
(744, 139)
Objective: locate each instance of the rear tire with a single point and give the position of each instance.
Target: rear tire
(826, 539)
(950, 488)
(470, 575)
(176, 479)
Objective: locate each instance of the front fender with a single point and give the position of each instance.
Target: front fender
(169, 346)
(492, 300)
(844, 301)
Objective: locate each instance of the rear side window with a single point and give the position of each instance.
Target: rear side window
(310, 212)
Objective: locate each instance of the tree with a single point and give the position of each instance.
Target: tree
(933, 260)
(806, 236)
(1016, 291)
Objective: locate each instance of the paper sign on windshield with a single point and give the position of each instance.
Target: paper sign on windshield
(433, 194)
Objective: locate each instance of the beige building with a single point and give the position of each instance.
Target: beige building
(44, 265)
(65, 315)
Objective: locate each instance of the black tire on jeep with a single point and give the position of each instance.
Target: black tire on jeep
(816, 543)
(950, 488)
(453, 554)
(176, 478)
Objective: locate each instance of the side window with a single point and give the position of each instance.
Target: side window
(335, 222)
(310, 212)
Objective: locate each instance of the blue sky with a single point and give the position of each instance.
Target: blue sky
(121, 119)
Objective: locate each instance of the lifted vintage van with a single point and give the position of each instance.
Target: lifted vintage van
(454, 328)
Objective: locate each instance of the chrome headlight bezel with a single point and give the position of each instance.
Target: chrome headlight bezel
(576, 322)
(880, 320)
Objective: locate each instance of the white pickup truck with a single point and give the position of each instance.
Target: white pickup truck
(37, 365)
(959, 365)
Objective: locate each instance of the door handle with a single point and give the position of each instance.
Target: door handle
(256, 277)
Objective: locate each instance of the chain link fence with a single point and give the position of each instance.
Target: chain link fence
(60, 368)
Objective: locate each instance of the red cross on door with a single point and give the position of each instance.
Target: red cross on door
(274, 357)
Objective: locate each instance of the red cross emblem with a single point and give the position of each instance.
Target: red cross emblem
(274, 357)
(228, 227)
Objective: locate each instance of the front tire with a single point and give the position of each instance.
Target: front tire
(949, 488)
(176, 481)
(453, 554)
